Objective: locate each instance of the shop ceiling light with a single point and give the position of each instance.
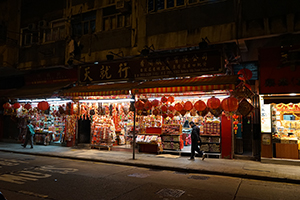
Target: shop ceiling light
(105, 100)
(24, 100)
(293, 94)
(38, 100)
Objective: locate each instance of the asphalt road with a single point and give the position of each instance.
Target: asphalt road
(26, 177)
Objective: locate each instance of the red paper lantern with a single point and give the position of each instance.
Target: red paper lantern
(188, 106)
(139, 105)
(155, 102)
(27, 106)
(183, 112)
(43, 105)
(164, 99)
(171, 115)
(178, 107)
(213, 103)
(230, 104)
(164, 108)
(6, 106)
(246, 74)
(235, 128)
(164, 115)
(148, 105)
(16, 105)
(171, 99)
(200, 105)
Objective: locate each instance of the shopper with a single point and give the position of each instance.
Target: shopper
(196, 141)
(29, 134)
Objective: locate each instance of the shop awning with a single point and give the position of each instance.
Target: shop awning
(38, 91)
(204, 84)
(100, 90)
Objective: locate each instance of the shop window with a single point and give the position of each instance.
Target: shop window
(84, 24)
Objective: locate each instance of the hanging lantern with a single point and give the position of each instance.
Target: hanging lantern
(16, 105)
(183, 112)
(148, 105)
(171, 108)
(156, 112)
(200, 105)
(171, 115)
(230, 104)
(164, 108)
(188, 106)
(246, 74)
(164, 99)
(178, 107)
(165, 115)
(139, 105)
(43, 105)
(28, 106)
(155, 103)
(236, 122)
(213, 103)
(6, 106)
(171, 99)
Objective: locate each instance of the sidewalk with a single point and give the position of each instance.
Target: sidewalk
(226, 167)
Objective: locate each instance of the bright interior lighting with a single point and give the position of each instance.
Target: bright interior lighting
(293, 94)
(193, 97)
(105, 100)
(24, 100)
(53, 99)
(38, 100)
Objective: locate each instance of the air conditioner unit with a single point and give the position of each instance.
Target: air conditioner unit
(122, 6)
(43, 24)
(32, 26)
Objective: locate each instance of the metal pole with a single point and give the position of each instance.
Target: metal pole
(133, 142)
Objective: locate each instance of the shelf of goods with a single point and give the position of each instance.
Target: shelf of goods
(210, 135)
(285, 132)
(42, 136)
(186, 136)
(172, 137)
(102, 131)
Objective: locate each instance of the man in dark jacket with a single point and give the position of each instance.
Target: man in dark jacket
(196, 141)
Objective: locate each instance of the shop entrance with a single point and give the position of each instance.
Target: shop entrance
(84, 130)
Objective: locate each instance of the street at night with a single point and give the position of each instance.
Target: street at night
(35, 177)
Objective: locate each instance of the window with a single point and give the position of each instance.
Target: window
(84, 24)
(115, 21)
(29, 37)
(154, 5)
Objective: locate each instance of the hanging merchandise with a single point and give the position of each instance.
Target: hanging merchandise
(164, 99)
(155, 103)
(245, 108)
(16, 105)
(148, 105)
(235, 123)
(27, 106)
(171, 99)
(200, 105)
(188, 106)
(6, 105)
(178, 107)
(139, 105)
(43, 105)
(213, 103)
(246, 74)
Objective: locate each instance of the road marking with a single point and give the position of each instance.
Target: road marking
(10, 162)
(52, 169)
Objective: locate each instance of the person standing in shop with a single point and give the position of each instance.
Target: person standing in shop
(196, 141)
(29, 134)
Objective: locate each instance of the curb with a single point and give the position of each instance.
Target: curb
(159, 167)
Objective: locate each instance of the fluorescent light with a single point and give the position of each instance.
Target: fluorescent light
(53, 99)
(105, 100)
(293, 94)
(24, 100)
(38, 100)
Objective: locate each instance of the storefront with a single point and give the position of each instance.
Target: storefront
(280, 103)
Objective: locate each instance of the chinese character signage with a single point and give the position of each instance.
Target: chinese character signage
(162, 66)
(278, 74)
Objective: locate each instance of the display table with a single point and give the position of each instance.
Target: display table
(149, 148)
(42, 138)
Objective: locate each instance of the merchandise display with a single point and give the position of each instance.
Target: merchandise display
(285, 123)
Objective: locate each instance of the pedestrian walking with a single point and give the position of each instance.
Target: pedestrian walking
(29, 134)
(196, 141)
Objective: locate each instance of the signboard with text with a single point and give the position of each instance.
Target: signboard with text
(162, 66)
